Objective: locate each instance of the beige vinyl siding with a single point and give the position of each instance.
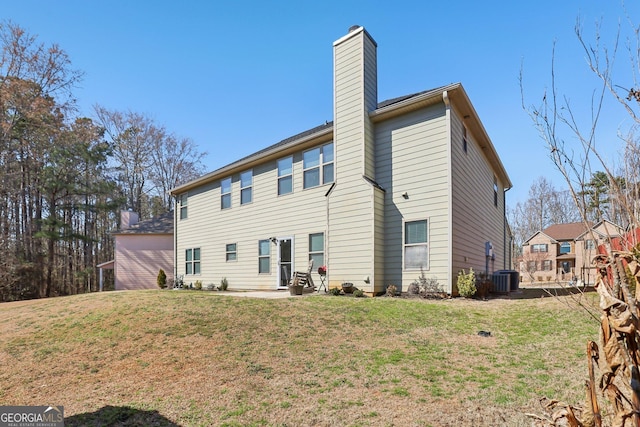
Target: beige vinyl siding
(351, 235)
(411, 157)
(371, 96)
(351, 203)
(475, 217)
(378, 280)
(296, 214)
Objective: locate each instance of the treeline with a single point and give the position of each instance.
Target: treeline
(64, 178)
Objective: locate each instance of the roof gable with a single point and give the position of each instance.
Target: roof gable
(538, 233)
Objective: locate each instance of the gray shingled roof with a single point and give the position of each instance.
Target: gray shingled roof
(392, 101)
(162, 224)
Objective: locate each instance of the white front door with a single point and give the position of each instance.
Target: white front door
(285, 261)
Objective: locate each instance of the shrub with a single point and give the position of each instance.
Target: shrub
(414, 288)
(335, 291)
(392, 290)
(198, 285)
(426, 287)
(548, 278)
(162, 279)
(178, 282)
(431, 286)
(358, 293)
(466, 283)
(224, 284)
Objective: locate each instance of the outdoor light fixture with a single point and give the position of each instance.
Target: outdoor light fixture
(405, 195)
(273, 240)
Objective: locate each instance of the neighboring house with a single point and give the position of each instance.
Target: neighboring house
(387, 191)
(141, 250)
(563, 252)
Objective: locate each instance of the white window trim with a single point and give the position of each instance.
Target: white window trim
(315, 267)
(184, 206)
(193, 262)
(227, 252)
(284, 176)
(264, 256)
(405, 245)
(323, 164)
(320, 166)
(246, 187)
(222, 194)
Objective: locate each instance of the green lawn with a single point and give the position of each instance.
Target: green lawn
(193, 358)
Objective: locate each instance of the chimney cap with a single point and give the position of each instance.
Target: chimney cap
(353, 28)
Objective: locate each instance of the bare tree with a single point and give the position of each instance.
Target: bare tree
(596, 188)
(174, 161)
(600, 192)
(148, 159)
(133, 138)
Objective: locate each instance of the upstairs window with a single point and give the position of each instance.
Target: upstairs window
(192, 261)
(495, 191)
(246, 186)
(539, 247)
(589, 244)
(285, 176)
(311, 165)
(318, 166)
(464, 138)
(184, 200)
(327, 164)
(225, 193)
(416, 247)
(565, 248)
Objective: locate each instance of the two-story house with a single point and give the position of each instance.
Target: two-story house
(385, 192)
(563, 252)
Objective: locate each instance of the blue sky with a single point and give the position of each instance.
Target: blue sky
(237, 76)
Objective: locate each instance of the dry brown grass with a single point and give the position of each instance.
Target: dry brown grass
(198, 358)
